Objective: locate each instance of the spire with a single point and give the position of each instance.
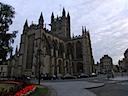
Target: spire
(41, 20)
(26, 24)
(82, 30)
(85, 28)
(16, 51)
(41, 17)
(68, 15)
(52, 17)
(63, 13)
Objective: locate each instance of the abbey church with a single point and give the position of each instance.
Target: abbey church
(52, 51)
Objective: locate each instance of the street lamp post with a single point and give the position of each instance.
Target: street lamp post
(39, 53)
(3, 75)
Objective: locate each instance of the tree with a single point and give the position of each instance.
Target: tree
(117, 68)
(6, 38)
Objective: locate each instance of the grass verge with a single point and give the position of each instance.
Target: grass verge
(40, 91)
(6, 86)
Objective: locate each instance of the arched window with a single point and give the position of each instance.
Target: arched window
(70, 49)
(56, 44)
(78, 50)
(60, 66)
(61, 49)
(79, 67)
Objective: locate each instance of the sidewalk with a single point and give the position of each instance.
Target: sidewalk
(120, 78)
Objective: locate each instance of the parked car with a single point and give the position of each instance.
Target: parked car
(28, 78)
(93, 74)
(82, 75)
(23, 78)
(68, 76)
(48, 77)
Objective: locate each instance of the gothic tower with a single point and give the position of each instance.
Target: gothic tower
(61, 25)
(87, 52)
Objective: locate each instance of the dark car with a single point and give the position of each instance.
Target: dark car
(82, 75)
(48, 77)
(68, 76)
(22, 78)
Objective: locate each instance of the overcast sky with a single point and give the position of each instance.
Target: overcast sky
(107, 21)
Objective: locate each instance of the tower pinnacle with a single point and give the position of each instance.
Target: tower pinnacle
(52, 17)
(41, 20)
(63, 13)
(82, 30)
(68, 15)
(16, 51)
(85, 28)
(26, 23)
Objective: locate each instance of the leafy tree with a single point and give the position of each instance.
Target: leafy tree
(6, 38)
(117, 68)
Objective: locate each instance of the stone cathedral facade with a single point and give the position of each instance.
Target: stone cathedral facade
(52, 51)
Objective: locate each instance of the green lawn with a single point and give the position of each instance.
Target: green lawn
(6, 86)
(40, 91)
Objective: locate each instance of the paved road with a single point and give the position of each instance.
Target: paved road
(72, 88)
(77, 87)
(117, 86)
(103, 78)
(111, 89)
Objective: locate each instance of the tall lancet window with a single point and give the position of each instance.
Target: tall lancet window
(30, 49)
(78, 50)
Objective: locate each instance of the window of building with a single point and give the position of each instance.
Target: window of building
(78, 50)
(79, 67)
(1, 68)
(30, 50)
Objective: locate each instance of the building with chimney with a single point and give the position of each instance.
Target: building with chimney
(106, 64)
